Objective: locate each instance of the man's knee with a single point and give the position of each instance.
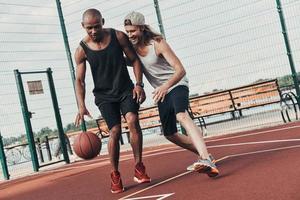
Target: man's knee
(132, 120)
(170, 137)
(182, 116)
(115, 132)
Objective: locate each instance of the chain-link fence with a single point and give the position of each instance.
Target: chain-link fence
(222, 45)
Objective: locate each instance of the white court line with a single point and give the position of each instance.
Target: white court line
(213, 140)
(248, 143)
(161, 197)
(157, 184)
(218, 160)
(256, 152)
(129, 157)
(251, 134)
(106, 162)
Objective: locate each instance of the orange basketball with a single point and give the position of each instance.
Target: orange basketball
(87, 145)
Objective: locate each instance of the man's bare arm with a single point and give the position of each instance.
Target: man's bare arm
(163, 48)
(80, 60)
(80, 76)
(131, 56)
(138, 91)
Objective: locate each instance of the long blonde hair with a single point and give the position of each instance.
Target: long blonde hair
(149, 34)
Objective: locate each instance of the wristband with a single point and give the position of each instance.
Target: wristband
(140, 84)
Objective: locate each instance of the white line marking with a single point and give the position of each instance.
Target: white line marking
(157, 184)
(107, 162)
(257, 152)
(251, 134)
(260, 142)
(162, 196)
(218, 160)
(126, 157)
(129, 157)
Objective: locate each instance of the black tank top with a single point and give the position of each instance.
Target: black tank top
(109, 71)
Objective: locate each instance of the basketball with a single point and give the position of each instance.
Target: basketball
(87, 145)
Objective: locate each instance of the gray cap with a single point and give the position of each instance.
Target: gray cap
(135, 19)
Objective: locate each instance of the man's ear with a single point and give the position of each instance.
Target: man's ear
(82, 24)
(103, 21)
(142, 28)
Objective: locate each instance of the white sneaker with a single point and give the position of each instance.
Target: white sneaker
(191, 167)
(206, 166)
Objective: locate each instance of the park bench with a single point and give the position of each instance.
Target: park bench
(235, 100)
(232, 101)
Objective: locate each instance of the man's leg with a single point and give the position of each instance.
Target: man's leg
(205, 164)
(176, 99)
(114, 155)
(182, 141)
(186, 143)
(130, 108)
(136, 141)
(114, 146)
(136, 138)
(194, 132)
(111, 113)
(175, 108)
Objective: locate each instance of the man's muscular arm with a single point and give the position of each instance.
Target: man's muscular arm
(136, 63)
(80, 60)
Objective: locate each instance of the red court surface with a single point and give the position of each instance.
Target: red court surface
(261, 164)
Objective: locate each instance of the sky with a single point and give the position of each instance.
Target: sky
(222, 44)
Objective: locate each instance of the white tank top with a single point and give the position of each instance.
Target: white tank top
(157, 70)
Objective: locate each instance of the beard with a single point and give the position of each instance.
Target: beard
(134, 41)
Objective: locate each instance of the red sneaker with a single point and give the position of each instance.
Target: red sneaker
(116, 183)
(140, 175)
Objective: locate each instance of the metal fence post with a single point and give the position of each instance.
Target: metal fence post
(159, 19)
(26, 117)
(68, 52)
(288, 49)
(3, 159)
(60, 129)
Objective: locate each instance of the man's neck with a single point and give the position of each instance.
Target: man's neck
(101, 37)
(140, 45)
(100, 42)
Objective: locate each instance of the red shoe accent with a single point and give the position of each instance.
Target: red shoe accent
(116, 182)
(212, 172)
(140, 175)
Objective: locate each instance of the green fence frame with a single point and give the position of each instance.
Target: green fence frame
(26, 116)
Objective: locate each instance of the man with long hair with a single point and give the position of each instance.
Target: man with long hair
(166, 74)
(114, 91)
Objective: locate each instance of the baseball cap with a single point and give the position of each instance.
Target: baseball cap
(134, 18)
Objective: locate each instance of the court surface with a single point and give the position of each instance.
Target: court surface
(259, 164)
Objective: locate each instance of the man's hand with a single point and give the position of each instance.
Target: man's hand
(138, 93)
(80, 115)
(159, 93)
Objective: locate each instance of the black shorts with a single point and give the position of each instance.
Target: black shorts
(176, 101)
(111, 111)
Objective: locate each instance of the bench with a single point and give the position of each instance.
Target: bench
(255, 95)
(148, 118)
(211, 104)
(235, 100)
(231, 101)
